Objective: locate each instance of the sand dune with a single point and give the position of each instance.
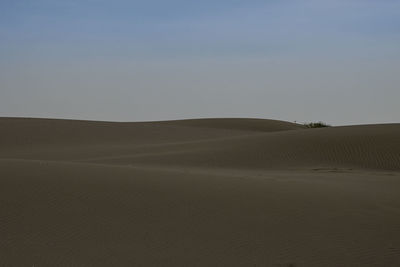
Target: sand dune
(359, 147)
(209, 192)
(26, 131)
(234, 143)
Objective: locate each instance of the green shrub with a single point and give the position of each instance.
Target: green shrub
(319, 124)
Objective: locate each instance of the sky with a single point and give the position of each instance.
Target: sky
(336, 61)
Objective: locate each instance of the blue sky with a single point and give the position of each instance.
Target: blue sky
(332, 60)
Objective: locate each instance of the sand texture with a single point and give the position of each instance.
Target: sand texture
(207, 192)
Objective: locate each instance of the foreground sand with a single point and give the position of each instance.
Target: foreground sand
(216, 192)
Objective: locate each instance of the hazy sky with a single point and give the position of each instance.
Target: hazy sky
(306, 60)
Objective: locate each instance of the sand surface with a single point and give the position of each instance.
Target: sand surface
(210, 192)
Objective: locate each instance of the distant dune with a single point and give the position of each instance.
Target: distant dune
(201, 192)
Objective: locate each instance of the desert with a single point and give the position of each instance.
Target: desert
(200, 192)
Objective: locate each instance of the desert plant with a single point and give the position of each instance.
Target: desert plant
(319, 124)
